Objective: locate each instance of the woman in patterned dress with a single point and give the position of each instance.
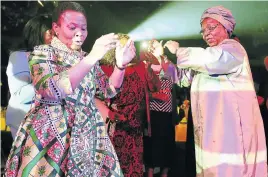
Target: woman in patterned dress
(160, 146)
(64, 134)
(127, 109)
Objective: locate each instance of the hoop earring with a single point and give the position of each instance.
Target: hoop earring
(57, 34)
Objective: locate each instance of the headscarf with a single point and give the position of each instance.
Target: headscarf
(222, 15)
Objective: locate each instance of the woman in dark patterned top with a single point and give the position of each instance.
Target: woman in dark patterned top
(159, 147)
(127, 109)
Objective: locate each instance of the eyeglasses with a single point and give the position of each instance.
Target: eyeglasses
(209, 28)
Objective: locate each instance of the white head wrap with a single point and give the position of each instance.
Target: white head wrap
(222, 15)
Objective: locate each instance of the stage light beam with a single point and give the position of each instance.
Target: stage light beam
(181, 20)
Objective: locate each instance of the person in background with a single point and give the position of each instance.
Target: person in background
(37, 31)
(265, 85)
(265, 62)
(228, 127)
(263, 93)
(126, 110)
(64, 133)
(159, 148)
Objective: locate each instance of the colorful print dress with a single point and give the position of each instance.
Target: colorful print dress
(64, 134)
(130, 102)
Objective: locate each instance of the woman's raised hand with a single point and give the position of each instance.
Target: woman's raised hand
(124, 54)
(102, 45)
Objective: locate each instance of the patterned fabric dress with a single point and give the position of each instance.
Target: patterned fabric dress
(64, 135)
(130, 102)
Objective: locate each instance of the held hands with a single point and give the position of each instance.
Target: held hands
(125, 54)
(172, 46)
(102, 45)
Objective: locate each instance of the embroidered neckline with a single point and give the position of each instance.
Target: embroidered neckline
(56, 43)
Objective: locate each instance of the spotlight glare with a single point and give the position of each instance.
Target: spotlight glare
(181, 20)
(144, 45)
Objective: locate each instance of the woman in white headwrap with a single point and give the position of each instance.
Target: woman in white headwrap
(228, 128)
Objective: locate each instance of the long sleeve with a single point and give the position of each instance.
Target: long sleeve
(49, 80)
(23, 90)
(20, 87)
(19, 78)
(17, 63)
(225, 58)
(104, 86)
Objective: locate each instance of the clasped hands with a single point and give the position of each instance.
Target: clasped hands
(172, 46)
(124, 54)
(158, 51)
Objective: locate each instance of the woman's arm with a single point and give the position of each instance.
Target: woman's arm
(105, 85)
(109, 87)
(19, 78)
(117, 77)
(50, 84)
(47, 81)
(223, 59)
(21, 87)
(108, 113)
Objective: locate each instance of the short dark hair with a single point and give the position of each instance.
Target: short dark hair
(34, 30)
(33, 33)
(63, 6)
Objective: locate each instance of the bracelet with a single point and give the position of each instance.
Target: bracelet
(119, 67)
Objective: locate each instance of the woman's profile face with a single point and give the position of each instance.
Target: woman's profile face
(71, 29)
